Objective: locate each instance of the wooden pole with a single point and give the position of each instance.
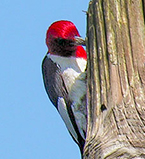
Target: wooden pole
(116, 79)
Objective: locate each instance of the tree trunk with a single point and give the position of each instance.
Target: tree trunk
(116, 79)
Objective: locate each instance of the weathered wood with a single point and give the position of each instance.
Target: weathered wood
(116, 79)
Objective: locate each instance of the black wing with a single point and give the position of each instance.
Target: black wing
(53, 81)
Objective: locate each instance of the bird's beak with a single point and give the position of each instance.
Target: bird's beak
(80, 41)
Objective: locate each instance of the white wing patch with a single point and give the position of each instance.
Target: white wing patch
(80, 120)
(63, 112)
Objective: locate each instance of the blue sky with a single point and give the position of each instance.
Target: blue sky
(30, 127)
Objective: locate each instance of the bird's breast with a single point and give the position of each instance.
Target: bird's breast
(75, 83)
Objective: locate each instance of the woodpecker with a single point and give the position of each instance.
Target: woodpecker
(64, 76)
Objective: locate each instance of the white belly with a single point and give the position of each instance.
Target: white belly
(75, 83)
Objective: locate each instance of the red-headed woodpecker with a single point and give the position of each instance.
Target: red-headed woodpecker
(64, 76)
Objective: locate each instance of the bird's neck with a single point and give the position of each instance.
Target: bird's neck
(76, 63)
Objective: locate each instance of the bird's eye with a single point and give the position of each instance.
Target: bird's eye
(60, 41)
(64, 42)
